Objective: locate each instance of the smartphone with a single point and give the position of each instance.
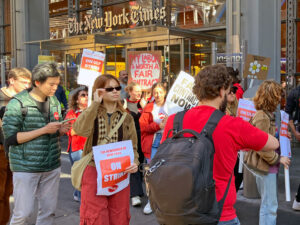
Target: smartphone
(65, 121)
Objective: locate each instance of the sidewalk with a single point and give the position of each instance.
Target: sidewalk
(247, 209)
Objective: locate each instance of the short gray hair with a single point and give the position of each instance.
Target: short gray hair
(42, 71)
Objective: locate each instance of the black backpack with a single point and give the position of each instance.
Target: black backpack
(180, 178)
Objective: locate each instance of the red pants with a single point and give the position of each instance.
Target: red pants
(6, 187)
(102, 210)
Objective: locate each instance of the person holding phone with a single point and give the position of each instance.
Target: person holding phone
(95, 123)
(78, 101)
(34, 148)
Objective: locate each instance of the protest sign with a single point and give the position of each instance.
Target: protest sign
(144, 68)
(180, 96)
(285, 150)
(256, 67)
(111, 161)
(246, 109)
(90, 68)
(285, 143)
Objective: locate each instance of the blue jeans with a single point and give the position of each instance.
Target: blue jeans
(267, 187)
(75, 156)
(155, 144)
(235, 221)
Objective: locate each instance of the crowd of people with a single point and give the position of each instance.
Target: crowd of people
(32, 122)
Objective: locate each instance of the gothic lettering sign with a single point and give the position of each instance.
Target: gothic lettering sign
(109, 20)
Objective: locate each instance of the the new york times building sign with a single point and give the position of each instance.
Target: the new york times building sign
(89, 24)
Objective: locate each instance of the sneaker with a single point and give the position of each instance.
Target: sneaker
(76, 198)
(136, 201)
(296, 205)
(147, 210)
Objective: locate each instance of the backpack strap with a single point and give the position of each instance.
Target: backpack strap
(24, 109)
(221, 202)
(178, 120)
(212, 123)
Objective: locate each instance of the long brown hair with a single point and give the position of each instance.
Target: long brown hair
(268, 96)
(101, 81)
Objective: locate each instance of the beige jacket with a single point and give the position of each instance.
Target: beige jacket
(85, 126)
(265, 121)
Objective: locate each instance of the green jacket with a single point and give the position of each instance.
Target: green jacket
(41, 154)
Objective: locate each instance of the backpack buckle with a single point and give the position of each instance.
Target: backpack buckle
(155, 167)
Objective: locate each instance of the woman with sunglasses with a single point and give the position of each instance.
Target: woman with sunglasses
(231, 110)
(78, 101)
(232, 102)
(152, 123)
(95, 123)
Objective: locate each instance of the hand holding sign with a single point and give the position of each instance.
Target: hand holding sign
(285, 161)
(133, 168)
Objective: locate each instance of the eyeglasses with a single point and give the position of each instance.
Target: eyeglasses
(110, 89)
(83, 95)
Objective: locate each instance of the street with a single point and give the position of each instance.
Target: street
(68, 210)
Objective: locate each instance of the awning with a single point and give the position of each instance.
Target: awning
(125, 36)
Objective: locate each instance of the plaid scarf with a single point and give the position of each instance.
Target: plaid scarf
(103, 127)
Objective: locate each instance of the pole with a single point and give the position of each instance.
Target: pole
(2, 72)
(287, 185)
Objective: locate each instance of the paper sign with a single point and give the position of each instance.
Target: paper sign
(90, 67)
(180, 96)
(285, 143)
(145, 68)
(246, 109)
(111, 161)
(256, 67)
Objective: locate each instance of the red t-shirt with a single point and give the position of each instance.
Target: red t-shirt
(230, 135)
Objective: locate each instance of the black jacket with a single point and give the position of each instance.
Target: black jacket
(292, 105)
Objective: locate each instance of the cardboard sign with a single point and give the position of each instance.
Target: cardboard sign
(180, 96)
(111, 161)
(246, 109)
(256, 67)
(145, 68)
(90, 67)
(285, 143)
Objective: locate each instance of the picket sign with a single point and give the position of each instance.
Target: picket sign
(180, 96)
(111, 161)
(246, 110)
(285, 148)
(90, 68)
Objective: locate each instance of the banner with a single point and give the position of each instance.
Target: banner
(285, 143)
(111, 161)
(246, 109)
(90, 67)
(145, 68)
(180, 96)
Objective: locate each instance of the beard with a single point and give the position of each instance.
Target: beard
(223, 104)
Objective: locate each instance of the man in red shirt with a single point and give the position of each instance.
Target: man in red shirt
(211, 87)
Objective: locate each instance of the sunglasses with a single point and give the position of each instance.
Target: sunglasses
(233, 90)
(110, 89)
(83, 95)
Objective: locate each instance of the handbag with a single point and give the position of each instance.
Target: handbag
(80, 165)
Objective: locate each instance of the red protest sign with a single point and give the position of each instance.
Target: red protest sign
(112, 170)
(91, 64)
(144, 68)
